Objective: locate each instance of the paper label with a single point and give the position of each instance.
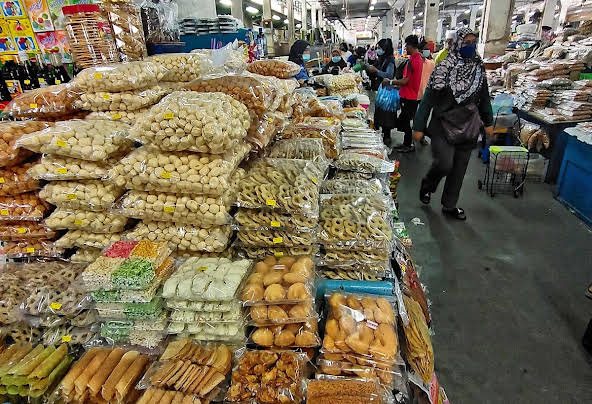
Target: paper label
(202, 269)
(2, 180)
(30, 250)
(42, 80)
(371, 324)
(314, 180)
(62, 170)
(278, 240)
(33, 105)
(279, 267)
(107, 96)
(116, 116)
(55, 306)
(275, 223)
(166, 175)
(4, 212)
(270, 202)
(278, 254)
(66, 338)
(71, 196)
(78, 222)
(168, 115)
(169, 209)
(98, 76)
(21, 230)
(61, 143)
(27, 81)
(58, 81)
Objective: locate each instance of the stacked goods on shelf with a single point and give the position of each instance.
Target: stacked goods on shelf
(202, 297)
(126, 23)
(326, 129)
(124, 284)
(343, 84)
(182, 181)
(187, 371)
(279, 302)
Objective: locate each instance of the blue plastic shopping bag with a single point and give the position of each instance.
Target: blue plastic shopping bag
(387, 98)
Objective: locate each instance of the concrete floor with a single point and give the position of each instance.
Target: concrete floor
(506, 290)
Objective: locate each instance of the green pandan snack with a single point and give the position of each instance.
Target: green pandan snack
(39, 387)
(133, 273)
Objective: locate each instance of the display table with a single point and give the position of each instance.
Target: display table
(557, 147)
(574, 184)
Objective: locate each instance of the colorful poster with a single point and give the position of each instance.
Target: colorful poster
(47, 42)
(23, 35)
(12, 9)
(7, 44)
(39, 14)
(62, 40)
(55, 12)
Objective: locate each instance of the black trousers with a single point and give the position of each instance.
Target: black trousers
(450, 161)
(408, 110)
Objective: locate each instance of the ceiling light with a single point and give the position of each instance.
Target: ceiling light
(258, 2)
(276, 17)
(414, 17)
(373, 1)
(441, 3)
(298, 25)
(252, 10)
(227, 3)
(371, 8)
(420, 14)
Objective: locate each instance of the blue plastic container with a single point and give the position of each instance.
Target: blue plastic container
(377, 288)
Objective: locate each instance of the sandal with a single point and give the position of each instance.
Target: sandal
(457, 213)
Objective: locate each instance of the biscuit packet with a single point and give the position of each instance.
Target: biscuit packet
(275, 238)
(82, 238)
(126, 101)
(272, 67)
(301, 149)
(55, 168)
(130, 311)
(233, 315)
(364, 160)
(263, 130)
(356, 271)
(256, 219)
(183, 67)
(125, 116)
(85, 255)
(45, 102)
(282, 314)
(287, 336)
(277, 252)
(328, 133)
(327, 388)
(10, 132)
(354, 186)
(68, 334)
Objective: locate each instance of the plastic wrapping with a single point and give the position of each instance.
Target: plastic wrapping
(281, 314)
(234, 315)
(277, 252)
(419, 352)
(96, 222)
(18, 231)
(183, 237)
(78, 138)
(216, 306)
(356, 221)
(69, 334)
(302, 149)
(254, 219)
(120, 77)
(363, 325)
(206, 279)
(25, 206)
(250, 385)
(273, 67)
(121, 101)
(354, 123)
(183, 67)
(276, 237)
(359, 271)
(126, 20)
(350, 161)
(285, 280)
(262, 130)
(160, 21)
(313, 107)
(85, 255)
(254, 92)
(224, 330)
(187, 120)
(80, 238)
(353, 186)
(201, 210)
(343, 84)
(23, 333)
(293, 335)
(342, 390)
(52, 168)
(329, 134)
(15, 180)
(10, 132)
(288, 185)
(51, 101)
(142, 338)
(141, 310)
(13, 293)
(129, 117)
(149, 169)
(93, 195)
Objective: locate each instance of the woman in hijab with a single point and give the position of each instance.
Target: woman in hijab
(383, 71)
(336, 64)
(457, 96)
(300, 54)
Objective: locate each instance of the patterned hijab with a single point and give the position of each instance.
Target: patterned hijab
(464, 76)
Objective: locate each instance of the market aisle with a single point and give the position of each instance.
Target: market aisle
(507, 291)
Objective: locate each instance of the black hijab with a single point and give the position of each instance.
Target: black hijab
(297, 50)
(387, 57)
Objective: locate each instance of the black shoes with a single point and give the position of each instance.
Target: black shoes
(405, 149)
(457, 213)
(424, 195)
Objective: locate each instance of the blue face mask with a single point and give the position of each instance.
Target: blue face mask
(306, 57)
(425, 53)
(380, 52)
(468, 51)
(336, 59)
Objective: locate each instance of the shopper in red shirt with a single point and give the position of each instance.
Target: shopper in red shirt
(408, 91)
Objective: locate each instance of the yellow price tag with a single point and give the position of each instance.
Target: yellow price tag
(403, 268)
(278, 254)
(169, 115)
(107, 96)
(55, 305)
(2, 180)
(78, 222)
(42, 80)
(275, 223)
(21, 230)
(98, 76)
(278, 240)
(202, 269)
(4, 212)
(270, 202)
(169, 209)
(62, 170)
(33, 105)
(66, 338)
(314, 180)
(58, 81)
(61, 143)
(27, 81)
(116, 116)
(30, 250)
(166, 175)
(71, 196)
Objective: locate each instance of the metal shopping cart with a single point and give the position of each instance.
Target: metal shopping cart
(506, 170)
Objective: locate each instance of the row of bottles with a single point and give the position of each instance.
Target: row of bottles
(26, 74)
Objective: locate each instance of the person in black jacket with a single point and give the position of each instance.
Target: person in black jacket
(382, 73)
(336, 64)
(458, 80)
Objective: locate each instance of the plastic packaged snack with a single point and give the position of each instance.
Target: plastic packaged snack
(355, 270)
(181, 67)
(281, 314)
(363, 325)
(69, 334)
(98, 274)
(206, 279)
(234, 315)
(328, 133)
(121, 101)
(224, 331)
(188, 120)
(254, 92)
(302, 149)
(126, 20)
(354, 123)
(51, 168)
(353, 161)
(50, 101)
(248, 385)
(18, 231)
(85, 255)
(93, 195)
(276, 237)
(294, 335)
(25, 206)
(419, 352)
(80, 238)
(95, 222)
(120, 77)
(277, 252)
(150, 169)
(282, 280)
(342, 390)
(129, 117)
(15, 180)
(183, 237)
(152, 309)
(262, 130)
(388, 376)
(353, 186)
(288, 185)
(79, 138)
(273, 67)
(255, 219)
(215, 306)
(10, 132)
(156, 252)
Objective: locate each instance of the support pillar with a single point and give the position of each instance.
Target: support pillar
(290, 7)
(408, 23)
(430, 19)
(453, 21)
(439, 30)
(268, 28)
(497, 24)
(237, 10)
(187, 9)
(548, 14)
(303, 20)
(473, 18)
(396, 31)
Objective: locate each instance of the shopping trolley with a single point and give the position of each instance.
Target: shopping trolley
(506, 170)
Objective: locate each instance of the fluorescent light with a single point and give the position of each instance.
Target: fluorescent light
(276, 17)
(373, 1)
(226, 3)
(286, 21)
(252, 10)
(414, 17)
(420, 14)
(371, 8)
(260, 2)
(298, 25)
(441, 3)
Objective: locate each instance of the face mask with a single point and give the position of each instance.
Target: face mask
(336, 59)
(380, 52)
(306, 57)
(425, 53)
(468, 51)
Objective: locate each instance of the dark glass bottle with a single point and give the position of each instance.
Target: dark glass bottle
(11, 77)
(58, 70)
(28, 73)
